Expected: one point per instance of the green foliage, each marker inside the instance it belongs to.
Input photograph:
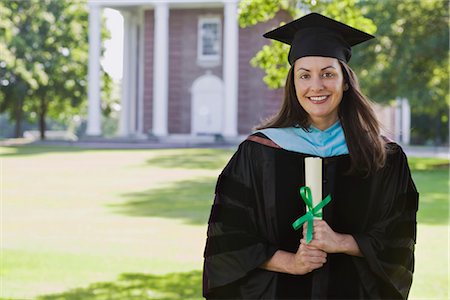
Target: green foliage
(272, 58)
(44, 66)
(346, 11)
(252, 12)
(275, 54)
(408, 59)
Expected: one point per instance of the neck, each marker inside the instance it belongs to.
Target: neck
(323, 124)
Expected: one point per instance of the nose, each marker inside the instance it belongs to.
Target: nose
(316, 84)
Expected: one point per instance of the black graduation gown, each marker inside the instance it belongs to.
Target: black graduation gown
(257, 200)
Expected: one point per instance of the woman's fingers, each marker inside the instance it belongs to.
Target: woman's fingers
(319, 226)
(311, 254)
(324, 238)
(309, 258)
(316, 259)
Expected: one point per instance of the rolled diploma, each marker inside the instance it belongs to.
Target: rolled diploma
(313, 178)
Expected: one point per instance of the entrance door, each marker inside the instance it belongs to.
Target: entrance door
(207, 103)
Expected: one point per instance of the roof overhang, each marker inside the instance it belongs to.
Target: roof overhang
(121, 4)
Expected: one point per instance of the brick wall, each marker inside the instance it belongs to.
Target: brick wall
(183, 66)
(256, 101)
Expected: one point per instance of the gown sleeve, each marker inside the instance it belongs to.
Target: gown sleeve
(388, 243)
(236, 245)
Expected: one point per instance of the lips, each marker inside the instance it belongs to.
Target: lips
(318, 99)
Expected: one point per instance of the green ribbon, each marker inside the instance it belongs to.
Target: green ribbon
(312, 212)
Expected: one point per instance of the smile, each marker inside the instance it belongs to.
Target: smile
(318, 99)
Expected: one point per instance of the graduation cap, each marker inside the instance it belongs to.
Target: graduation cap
(317, 35)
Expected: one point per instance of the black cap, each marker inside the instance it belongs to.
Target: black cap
(317, 35)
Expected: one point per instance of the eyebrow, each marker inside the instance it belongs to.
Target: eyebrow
(320, 69)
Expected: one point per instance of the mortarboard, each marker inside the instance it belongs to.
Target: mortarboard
(317, 35)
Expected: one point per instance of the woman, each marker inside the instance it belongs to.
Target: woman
(364, 246)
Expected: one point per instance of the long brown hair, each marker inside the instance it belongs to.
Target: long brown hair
(361, 128)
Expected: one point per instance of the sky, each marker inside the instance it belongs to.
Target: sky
(112, 60)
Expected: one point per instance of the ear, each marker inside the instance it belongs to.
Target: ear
(345, 86)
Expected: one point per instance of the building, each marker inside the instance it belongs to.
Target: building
(186, 70)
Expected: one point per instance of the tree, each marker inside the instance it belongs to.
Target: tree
(14, 85)
(408, 59)
(44, 68)
(273, 58)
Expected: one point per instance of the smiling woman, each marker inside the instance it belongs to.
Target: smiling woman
(322, 91)
(363, 248)
(319, 85)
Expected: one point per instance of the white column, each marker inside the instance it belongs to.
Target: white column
(230, 69)
(140, 66)
(124, 128)
(132, 78)
(133, 61)
(161, 69)
(406, 122)
(94, 114)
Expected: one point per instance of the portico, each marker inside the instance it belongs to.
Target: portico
(142, 73)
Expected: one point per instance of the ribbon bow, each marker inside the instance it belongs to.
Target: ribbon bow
(312, 212)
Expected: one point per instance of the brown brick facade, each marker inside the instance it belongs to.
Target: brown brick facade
(183, 67)
(255, 101)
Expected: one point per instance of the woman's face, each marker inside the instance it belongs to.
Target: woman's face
(319, 85)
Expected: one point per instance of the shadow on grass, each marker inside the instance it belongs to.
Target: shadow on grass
(139, 286)
(193, 159)
(191, 200)
(433, 187)
(188, 200)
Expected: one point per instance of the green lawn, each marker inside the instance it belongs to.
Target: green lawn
(131, 224)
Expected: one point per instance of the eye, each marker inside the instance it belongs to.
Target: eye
(328, 75)
(304, 76)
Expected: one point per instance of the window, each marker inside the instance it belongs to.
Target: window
(209, 39)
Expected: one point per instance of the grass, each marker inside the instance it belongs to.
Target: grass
(72, 217)
(131, 224)
(140, 286)
(431, 279)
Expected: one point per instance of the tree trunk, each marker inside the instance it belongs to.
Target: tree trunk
(42, 114)
(437, 139)
(18, 113)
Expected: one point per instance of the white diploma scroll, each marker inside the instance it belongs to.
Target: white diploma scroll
(313, 178)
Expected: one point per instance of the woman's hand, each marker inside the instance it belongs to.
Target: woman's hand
(302, 262)
(326, 239)
(313, 255)
(307, 259)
